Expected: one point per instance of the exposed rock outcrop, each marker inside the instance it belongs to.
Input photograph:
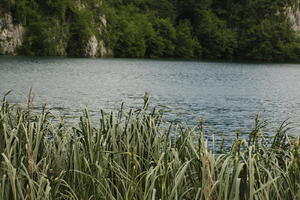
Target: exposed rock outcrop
(295, 18)
(11, 35)
(91, 49)
(95, 48)
(104, 51)
(79, 4)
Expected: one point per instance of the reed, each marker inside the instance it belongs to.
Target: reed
(137, 155)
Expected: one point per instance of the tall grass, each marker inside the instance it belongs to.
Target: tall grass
(133, 156)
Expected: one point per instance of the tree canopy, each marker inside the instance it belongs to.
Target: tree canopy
(209, 29)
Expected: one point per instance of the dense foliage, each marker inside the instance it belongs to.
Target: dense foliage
(213, 29)
(56, 27)
(138, 156)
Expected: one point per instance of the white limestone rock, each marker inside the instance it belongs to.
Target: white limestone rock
(11, 35)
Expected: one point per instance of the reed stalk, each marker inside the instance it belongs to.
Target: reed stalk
(136, 155)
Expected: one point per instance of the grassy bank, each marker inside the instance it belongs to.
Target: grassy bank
(132, 156)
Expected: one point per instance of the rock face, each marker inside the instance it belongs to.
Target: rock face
(95, 48)
(11, 35)
(295, 18)
(104, 51)
(91, 49)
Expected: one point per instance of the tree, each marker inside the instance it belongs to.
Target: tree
(167, 35)
(186, 44)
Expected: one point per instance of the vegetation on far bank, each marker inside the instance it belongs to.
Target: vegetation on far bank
(210, 29)
(137, 155)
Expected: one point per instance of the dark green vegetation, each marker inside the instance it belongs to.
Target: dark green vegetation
(211, 29)
(56, 27)
(137, 155)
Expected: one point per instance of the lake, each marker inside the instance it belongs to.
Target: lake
(226, 95)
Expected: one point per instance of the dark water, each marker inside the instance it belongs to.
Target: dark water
(226, 95)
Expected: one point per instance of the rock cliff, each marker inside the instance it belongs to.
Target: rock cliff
(95, 48)
(294, 16)
(11, 35)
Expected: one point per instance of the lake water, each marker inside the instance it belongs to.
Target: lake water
(226, 95)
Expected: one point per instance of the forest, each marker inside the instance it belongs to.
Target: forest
(258, 30)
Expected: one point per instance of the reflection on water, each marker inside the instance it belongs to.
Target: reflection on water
(226, 95)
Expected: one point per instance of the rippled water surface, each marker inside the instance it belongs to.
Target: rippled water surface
(226, 95)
